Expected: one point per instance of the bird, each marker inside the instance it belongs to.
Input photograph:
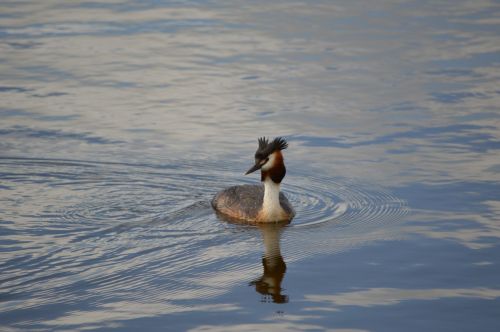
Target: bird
(261, 203)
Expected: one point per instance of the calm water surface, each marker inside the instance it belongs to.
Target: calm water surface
(121, 119)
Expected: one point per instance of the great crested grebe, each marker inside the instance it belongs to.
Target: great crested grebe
(259, 203)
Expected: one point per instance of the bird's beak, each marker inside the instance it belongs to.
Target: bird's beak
(254, 168)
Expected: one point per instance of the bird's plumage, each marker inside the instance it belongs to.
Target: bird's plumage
(259, 203)
(244, 202)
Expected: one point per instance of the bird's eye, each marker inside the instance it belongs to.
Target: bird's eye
(265, 161)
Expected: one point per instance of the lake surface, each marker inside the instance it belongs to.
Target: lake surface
(120, 120)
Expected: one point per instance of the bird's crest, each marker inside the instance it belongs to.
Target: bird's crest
(266, 147)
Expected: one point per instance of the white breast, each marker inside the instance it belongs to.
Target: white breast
(271, 207)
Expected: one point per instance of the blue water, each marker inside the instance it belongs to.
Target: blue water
(120, 120)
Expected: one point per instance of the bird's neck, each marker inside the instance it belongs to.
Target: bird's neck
(271, 207)
(271, 178)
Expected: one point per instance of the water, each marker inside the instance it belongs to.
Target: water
(120, 120)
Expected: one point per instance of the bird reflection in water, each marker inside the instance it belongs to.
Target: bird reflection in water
(269, 284)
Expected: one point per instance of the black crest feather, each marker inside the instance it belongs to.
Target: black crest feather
(266, 147)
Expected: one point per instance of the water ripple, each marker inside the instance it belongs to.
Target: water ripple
(87, 229)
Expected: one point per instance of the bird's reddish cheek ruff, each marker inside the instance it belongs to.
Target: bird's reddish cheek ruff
(277, 172)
